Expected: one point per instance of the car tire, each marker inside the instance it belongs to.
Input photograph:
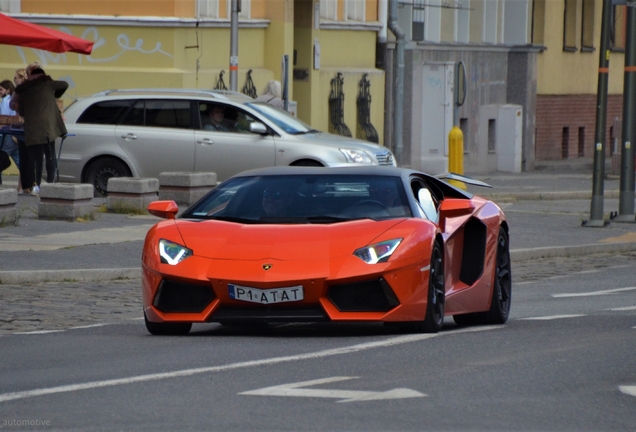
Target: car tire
(502, 290)
(167, 329)
(101, 170)
(436, 294)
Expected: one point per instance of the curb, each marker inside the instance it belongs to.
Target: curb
(536, 196)
(570, 251)
(101, 275)
(83, 275)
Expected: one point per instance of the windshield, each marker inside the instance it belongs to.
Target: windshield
(282, 119)
(304, 198)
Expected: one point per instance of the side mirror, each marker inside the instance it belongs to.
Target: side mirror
(258, 128)
(163, 209)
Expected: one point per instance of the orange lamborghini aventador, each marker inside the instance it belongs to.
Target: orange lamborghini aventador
(291, 244)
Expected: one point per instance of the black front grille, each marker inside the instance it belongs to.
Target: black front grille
(182, 297)
(368, 296)
(269, 314)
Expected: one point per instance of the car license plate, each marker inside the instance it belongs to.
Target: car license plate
(268, 296)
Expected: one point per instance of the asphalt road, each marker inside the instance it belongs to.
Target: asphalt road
(566, 360)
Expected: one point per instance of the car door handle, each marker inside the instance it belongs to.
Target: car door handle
(129, 136)
(205, 141)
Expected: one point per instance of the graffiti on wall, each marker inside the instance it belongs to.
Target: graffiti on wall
(122, 41)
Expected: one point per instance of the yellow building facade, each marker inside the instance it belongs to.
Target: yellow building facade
(186, 44)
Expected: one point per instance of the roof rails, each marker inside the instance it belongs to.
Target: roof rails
(219, 94)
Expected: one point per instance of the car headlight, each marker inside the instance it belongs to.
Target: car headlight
(379, 252)
(357, 156)
(172, 253)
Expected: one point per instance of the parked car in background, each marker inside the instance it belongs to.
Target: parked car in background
(144, 132)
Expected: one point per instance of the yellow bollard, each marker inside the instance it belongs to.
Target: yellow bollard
(456, 155)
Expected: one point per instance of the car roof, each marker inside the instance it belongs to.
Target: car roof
(355, 170)
(163, 92)
(380, 171)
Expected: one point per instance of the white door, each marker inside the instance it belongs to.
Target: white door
(437, 116)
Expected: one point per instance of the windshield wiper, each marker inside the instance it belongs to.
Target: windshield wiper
(235, 219)
(307, 132)
(302, 219)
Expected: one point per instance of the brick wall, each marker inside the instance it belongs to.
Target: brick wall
(578, 114)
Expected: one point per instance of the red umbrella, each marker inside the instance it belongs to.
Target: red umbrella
(21, 33)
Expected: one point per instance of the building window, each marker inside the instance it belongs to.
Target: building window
(492, 136)
(619, 24)
(569, 26)
(538, 22)
(355, 10)
(490, 21)
(417, 31)
(329, 10)
(208, 8)
(565, 143)
(222, 9)
(462, 22)
(582, 142)
(587, 25)
(463, 125)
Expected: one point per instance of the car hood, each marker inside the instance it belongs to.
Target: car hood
(234, 241)
(337, 141)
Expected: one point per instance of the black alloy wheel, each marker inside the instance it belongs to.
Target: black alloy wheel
(436, 304)
(502, 291)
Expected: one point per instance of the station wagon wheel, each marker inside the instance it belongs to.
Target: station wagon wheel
(101, 170)
(307, 163)
(167, 329)
(502, 291)
(435, 307)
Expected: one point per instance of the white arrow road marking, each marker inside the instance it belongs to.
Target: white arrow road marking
(232, 366)
(628, 390)
(595, 293)
(295, 390)
(553, 317)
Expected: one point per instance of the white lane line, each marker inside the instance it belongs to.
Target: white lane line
(628, 390)
(232, 366)
(594, 293)
(39, 332)
(625, 308)
(553, 317)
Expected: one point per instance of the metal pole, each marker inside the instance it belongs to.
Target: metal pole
(596, 207)
(234, 46)
(398, 76)
(285, 68)
(626, 197)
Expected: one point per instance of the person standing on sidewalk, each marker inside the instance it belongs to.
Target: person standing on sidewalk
(43, 122)
(8, 145)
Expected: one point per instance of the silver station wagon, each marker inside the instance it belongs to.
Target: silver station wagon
(142, 133)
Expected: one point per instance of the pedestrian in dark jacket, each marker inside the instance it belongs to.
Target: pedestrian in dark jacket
(43, 122)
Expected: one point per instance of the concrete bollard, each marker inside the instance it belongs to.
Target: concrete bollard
(65, 201)
(8, 211)
(184, 187)
(131, 194)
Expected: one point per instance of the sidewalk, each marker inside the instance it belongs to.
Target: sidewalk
(544, 209)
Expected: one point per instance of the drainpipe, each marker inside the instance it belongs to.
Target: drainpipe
(398, 81)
